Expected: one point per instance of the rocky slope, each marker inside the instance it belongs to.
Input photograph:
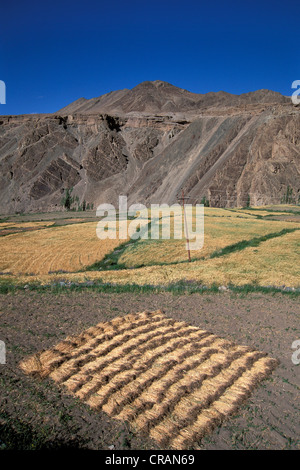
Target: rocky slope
(162, 97)
(148, 143)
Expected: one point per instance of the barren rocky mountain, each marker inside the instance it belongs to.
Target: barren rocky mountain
(148, 143)
(162, 97)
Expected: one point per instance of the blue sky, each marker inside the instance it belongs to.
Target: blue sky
(52, 53)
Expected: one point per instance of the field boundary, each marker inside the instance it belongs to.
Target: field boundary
(180, 287)
(255, 241)
(110, 261)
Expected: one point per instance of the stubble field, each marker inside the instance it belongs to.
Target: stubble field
(241, 246)
(187, 359)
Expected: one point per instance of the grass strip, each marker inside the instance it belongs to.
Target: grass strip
(179, 287)
(253, 242)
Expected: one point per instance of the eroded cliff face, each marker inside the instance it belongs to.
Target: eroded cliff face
(228, 155)
(99, 156)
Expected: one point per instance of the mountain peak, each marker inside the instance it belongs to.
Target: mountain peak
(158, 96)
(153, 84)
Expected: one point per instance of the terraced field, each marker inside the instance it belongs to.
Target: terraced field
(241, 246)
(45, 250)
(219, 232)
(170, 380)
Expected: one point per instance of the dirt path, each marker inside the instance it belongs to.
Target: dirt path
(35, 413)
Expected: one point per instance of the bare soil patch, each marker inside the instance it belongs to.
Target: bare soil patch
(36, 413)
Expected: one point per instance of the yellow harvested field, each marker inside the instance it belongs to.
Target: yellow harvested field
(218, 233)
(25, 225)
(274, 262)
(216, 212)
(168, 379)
(279, 207)
(47, 253)
(66, 248)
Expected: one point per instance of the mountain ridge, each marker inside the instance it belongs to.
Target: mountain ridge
(162, 97)
(230, 150)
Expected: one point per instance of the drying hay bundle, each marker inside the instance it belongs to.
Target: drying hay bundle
(170, 380)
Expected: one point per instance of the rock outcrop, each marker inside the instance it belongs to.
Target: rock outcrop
(150, 142)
